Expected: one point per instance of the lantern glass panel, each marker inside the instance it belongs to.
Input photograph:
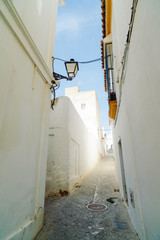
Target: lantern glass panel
(70, 75)
(70, 67)
(76, 69)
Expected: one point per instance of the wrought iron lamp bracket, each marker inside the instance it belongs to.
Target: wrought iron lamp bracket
(58, 76)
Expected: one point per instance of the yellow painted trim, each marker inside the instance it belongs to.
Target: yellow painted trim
(108, 4)
(112, 109)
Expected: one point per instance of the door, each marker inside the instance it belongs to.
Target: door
(124, 186)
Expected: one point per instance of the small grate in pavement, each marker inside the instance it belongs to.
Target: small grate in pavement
(111, 200)
(121, 225)
(96, 207)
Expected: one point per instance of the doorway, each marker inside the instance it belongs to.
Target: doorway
(124, 186)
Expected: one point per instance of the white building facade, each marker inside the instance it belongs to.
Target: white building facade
(133, 78)
(86, 104)
(73, 149)
(76, 141)
(26, 46)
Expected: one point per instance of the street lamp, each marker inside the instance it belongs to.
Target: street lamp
(71, 68)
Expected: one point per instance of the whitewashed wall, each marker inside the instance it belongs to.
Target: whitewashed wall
(73, 150)
(40, 17)
(86, 104)
(89, 112)
(24, 113)
(138, 120)
(109, 141)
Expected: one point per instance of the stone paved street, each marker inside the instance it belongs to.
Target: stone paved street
(66, 218)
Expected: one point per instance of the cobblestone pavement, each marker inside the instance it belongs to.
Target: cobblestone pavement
(66, 218)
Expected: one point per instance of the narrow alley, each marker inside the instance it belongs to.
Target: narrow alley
(79, 79)
(67, 218)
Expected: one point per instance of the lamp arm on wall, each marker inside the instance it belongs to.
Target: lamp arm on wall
(58, 76)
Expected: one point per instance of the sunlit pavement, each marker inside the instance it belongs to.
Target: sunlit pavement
(67, 218)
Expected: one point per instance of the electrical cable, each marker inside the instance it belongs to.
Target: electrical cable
(84, 62)
(91, 61)
(54, 96)
(57, 87)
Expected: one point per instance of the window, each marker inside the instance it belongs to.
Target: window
(83, 106)
(109, 66)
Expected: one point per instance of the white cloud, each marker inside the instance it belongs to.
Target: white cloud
(73, 23)
(69, 24)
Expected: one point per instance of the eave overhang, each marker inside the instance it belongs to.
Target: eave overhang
(106, 7)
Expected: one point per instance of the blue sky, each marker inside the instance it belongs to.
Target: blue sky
(78, 36)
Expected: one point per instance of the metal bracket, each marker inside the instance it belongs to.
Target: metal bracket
(59, 77)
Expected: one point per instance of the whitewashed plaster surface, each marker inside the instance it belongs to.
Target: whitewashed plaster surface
(24, 115)
(139, 116)
(109, 141)
(73, 150)
(40, 18)
(87, 106)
